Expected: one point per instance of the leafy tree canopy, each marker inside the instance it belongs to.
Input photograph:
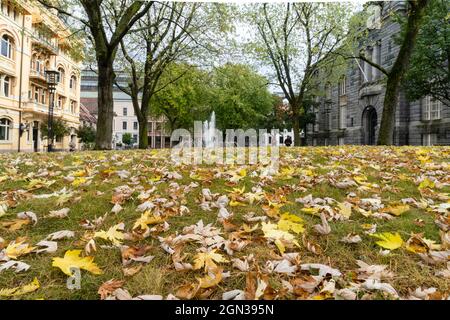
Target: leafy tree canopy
(429, 72)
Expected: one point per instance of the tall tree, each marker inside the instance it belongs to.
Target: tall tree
(239, 97)
(429, 71)
(96, 17)
(395, 74)
(169, 32)
(296, 40)
(183, 101)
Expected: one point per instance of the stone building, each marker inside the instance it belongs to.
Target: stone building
(33, 40)
(125, 120)
(350, 112)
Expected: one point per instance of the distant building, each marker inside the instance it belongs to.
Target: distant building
(87, 119)
(350, 112)
(33, 40)
(125, 120)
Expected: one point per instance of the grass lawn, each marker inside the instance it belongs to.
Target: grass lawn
(373, 221)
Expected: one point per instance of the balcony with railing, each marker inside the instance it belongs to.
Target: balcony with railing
(37, 74)
(44, 41)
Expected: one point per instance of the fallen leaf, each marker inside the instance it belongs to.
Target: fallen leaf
(17, 291)
(109, 287)
(114, 234)
(72, 259)
(388, 240)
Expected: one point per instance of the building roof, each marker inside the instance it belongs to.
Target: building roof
(86, 115)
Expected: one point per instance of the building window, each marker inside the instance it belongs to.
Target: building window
(73, 107)
(341, 141)
(73, 82)
(43, 92)
(124, 125)
(6, 86)
(61, 75)
(343, 117)
(374, 20)
(7, 46)
(135, 125)
(431, 108)
(36, 95)
(60, 102)
(316, 120)
(135, 138)
(343, 86)
(125, 112)
(429, 139)
(5, 129)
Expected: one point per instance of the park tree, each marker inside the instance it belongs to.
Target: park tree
(86, 134)
(105, 22)
(394, 75)
(429, 70)
(183, 101)
(296, 40)
(60, 129)
(127, 139)
(239, 97)
(169, 32)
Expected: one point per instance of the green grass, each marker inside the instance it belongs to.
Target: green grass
(159, 276)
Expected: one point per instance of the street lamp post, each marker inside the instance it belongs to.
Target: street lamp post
(51, 76)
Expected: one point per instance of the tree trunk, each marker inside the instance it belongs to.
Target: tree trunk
(143, 132)
(103, 139)
(391, 97)
(296, 128)
(398, 70)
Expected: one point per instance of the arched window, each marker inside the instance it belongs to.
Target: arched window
(6, 86)
(5, 129)
(62, 75)
(73, 82)
(60, 102)
(7, 46)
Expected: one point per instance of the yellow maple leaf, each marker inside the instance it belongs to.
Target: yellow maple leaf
(79, 173)
(278, 236)
(206, 259)
(72, 259)
(397, 210)
(211, 279)
(388, 240)
(345, 209)
(286, 173)
(16, 224)
(114, 234)
(15, 250)
(291, 222)
(314, 211)
(234, 203)
(145, 219)
(79, 181)
(17, 291)
(360, 179)
(426, 183)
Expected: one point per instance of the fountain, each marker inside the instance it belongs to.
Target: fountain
(209, 131)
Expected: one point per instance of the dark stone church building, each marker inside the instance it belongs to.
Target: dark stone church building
(350, 112)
